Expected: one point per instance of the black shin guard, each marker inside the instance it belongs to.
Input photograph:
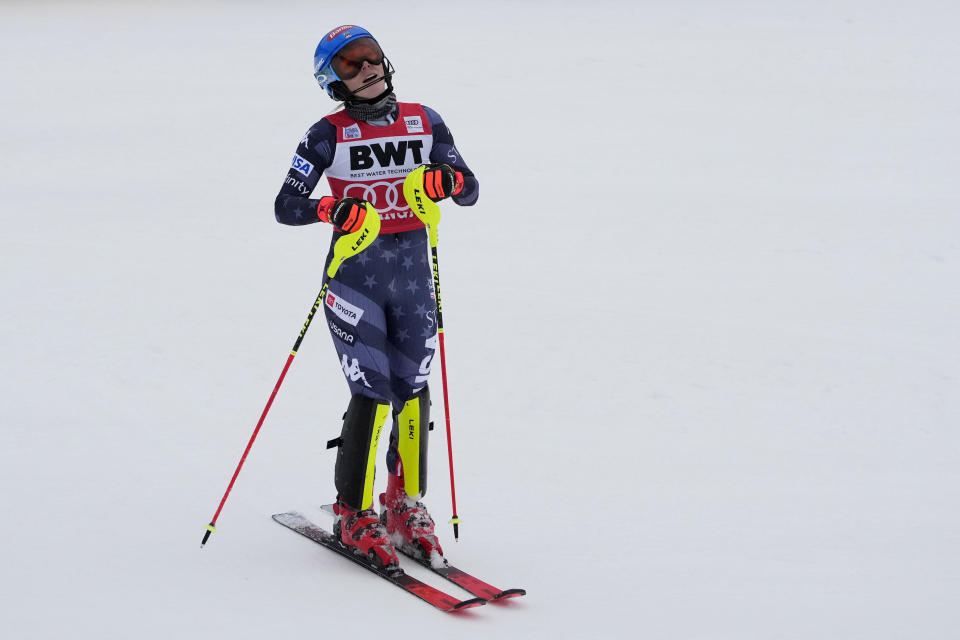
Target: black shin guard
(357, 454)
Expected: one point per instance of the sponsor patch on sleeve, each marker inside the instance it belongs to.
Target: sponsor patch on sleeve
(301, 166)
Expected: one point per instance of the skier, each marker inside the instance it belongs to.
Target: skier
(381, 306)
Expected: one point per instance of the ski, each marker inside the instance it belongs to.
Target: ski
(464, 580)
(442, 601)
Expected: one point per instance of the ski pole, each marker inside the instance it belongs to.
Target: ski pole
(347, 246)
(429, 213)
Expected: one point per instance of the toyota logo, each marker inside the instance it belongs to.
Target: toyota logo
(385, 196)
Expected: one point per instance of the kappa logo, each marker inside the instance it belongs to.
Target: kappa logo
(344, 310)
(301, 166)
(353, 372)
(364, 156)
(352, 132)
(414, 124)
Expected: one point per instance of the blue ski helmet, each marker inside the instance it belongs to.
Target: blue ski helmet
(326, 51)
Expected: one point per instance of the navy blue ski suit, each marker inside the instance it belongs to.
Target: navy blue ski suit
(382, 311)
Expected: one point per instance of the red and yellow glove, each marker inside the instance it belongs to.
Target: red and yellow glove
(346, 214)
(441, 181)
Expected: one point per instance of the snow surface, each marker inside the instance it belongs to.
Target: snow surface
(702, 326)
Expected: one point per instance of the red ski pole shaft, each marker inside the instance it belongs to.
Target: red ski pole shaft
(211, 528)
(446, 405)
(446, 397)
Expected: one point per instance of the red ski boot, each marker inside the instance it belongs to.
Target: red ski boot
(363, 532)
(409, 524)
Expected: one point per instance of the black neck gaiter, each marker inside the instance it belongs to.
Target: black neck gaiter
(366, 112)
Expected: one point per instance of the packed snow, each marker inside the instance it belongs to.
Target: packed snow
(702, 325)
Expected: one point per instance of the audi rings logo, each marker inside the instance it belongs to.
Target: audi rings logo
(384, 195)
